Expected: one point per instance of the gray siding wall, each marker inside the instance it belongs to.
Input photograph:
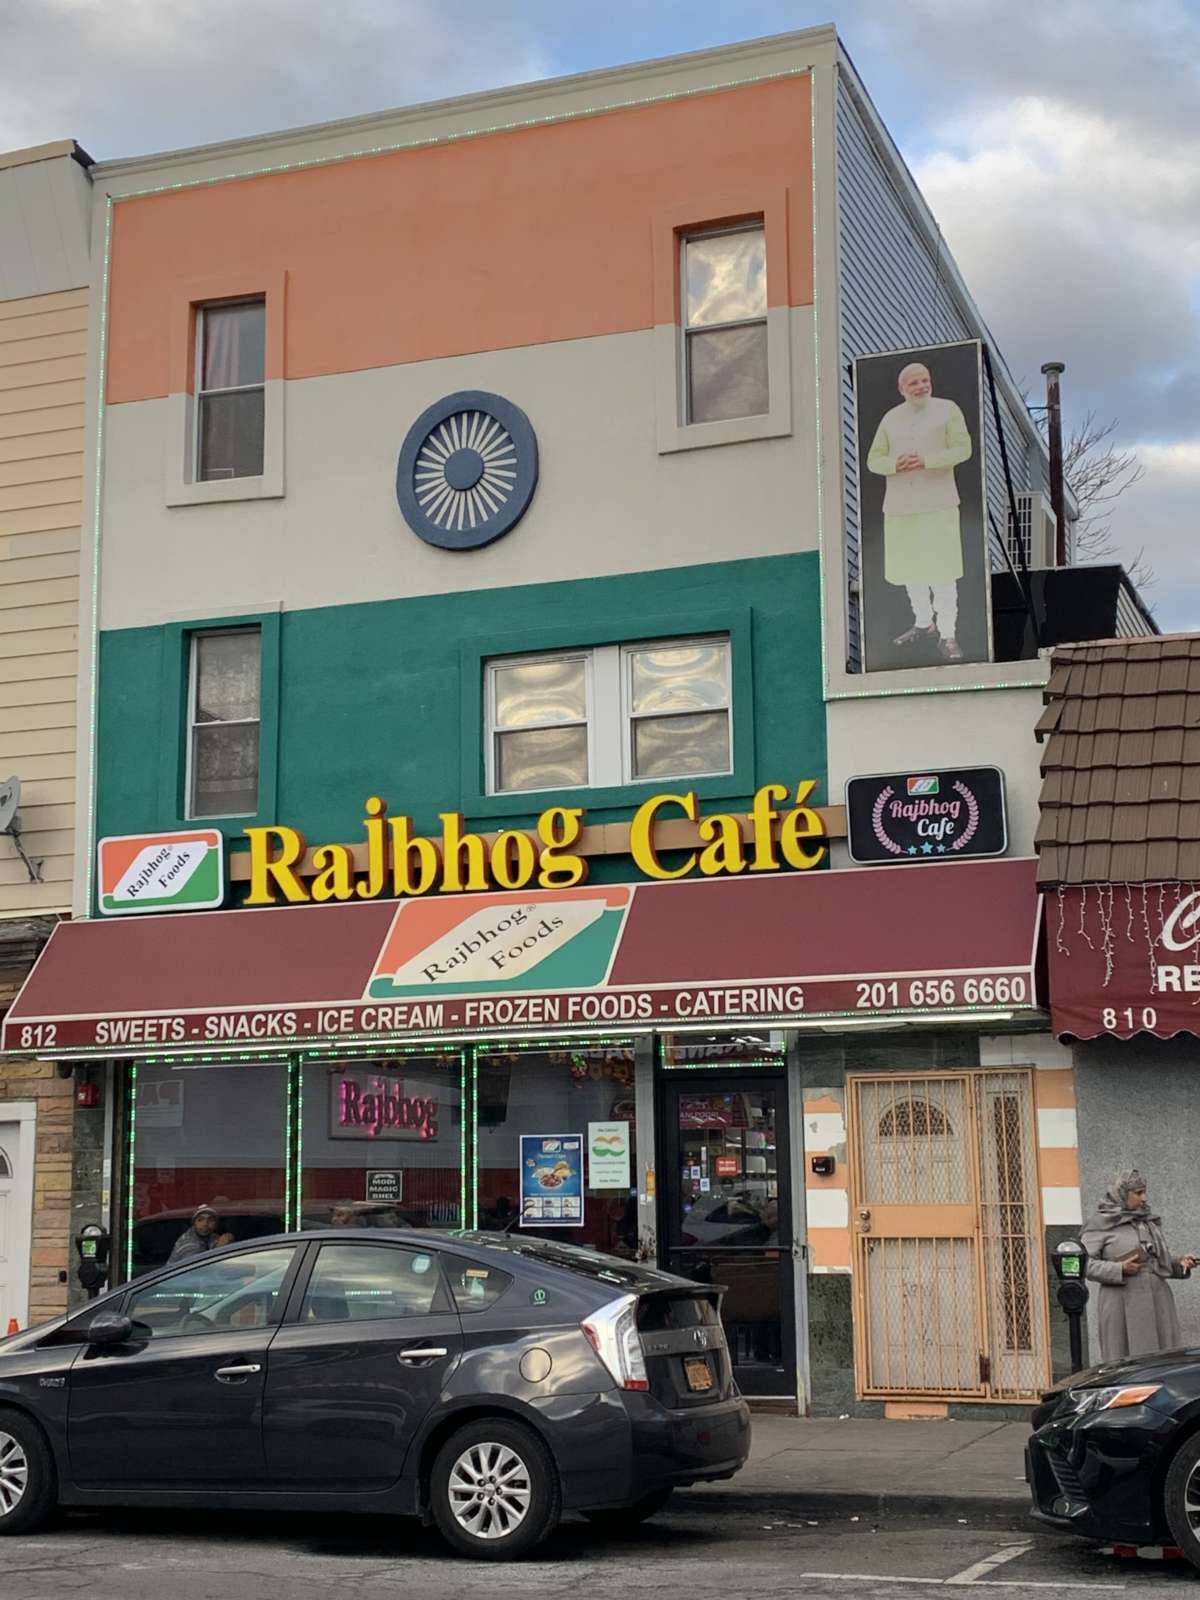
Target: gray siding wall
(894, 293)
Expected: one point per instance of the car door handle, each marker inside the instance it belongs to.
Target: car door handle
(232, 1374)
(423, 1352)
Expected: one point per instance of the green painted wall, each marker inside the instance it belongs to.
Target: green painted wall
(385, 698)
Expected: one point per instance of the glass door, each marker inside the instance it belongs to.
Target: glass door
(726, 1214)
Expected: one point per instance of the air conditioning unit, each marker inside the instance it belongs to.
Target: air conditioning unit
(1033, 536)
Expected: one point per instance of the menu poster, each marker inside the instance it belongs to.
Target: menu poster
(552, 1180)
(608, 1155)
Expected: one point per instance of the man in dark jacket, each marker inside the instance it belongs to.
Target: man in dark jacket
(200, 1237)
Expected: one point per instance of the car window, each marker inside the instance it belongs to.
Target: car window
(474, 1285)
(234, 1292)
(364, 1282)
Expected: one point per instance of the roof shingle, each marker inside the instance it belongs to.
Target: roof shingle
(1121, 762)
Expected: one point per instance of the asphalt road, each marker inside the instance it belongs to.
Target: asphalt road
(700, 1547)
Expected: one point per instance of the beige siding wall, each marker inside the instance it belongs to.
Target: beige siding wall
(43, 342)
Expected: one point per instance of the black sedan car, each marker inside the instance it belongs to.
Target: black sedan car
(484, 1382)
(1115, 1453)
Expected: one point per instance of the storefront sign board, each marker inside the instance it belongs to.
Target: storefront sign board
(142, 872)
(1124, 959)
(552, 1180)
(924, 816)
(608, 1155)
(763, 950)
(385, 1187)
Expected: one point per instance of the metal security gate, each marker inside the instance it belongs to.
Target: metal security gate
(950, 1301)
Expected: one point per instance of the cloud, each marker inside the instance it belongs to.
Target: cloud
(1162, 515)
(1062, 160)
(129, 76)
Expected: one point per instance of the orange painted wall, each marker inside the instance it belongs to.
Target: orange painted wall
(510, 239)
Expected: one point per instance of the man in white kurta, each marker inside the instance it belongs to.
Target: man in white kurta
(916, 448)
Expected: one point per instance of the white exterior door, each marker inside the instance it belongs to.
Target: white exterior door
(16, 1208)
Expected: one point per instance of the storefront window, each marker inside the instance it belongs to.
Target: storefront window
(556, 1144)
(381, 1142)
(211, 1136)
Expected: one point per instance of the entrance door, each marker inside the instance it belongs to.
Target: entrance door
(726, 1214)
(949, 1302)
(16, 1194)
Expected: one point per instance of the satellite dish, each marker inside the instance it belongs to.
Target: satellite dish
(10, 799)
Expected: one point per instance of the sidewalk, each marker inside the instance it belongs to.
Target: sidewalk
(823, 1465)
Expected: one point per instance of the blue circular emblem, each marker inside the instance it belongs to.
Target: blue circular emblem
(467, 470)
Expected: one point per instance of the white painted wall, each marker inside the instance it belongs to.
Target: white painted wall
(17, 1123)
(606, 502)
(980, 728)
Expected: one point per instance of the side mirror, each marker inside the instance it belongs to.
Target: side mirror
(109, 1329)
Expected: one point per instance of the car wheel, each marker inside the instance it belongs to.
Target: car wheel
(28, 1487)
(495, 1491)
(614, 1518)
(1181, 1499)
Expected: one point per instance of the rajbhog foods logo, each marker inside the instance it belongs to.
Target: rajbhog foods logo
(480, 944)
(161, 872)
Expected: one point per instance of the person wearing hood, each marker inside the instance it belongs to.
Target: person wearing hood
(1128, 1257)
(200, 1237)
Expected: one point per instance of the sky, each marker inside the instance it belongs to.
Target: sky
(1057, 141)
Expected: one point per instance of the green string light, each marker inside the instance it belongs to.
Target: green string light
(129, 1194)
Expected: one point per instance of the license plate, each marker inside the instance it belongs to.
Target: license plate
(699, 1375)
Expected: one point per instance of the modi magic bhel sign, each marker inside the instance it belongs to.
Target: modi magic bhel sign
(161, 872)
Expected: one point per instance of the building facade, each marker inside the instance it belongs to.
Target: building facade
(45, 230)
(1119, 862)
(478, 666)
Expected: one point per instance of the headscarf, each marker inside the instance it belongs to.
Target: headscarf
(1114, 1212)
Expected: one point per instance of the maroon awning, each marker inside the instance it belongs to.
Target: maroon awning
(937, 939)
(1123, 959)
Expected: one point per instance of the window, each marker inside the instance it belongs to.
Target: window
(5, 1166)
(725, 324)
(366, 1282)
(230, 391)
(224, 696)
(474, 1286)
(613, 715)
(235, 1292)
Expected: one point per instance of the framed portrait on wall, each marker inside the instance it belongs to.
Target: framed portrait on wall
(922, 507)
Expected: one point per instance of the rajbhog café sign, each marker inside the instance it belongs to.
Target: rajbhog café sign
(407, 865)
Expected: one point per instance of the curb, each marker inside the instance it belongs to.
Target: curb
(857, 1502)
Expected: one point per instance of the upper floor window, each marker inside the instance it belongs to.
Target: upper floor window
(608, 716)
(224, 709)
(725, 324)
(230, 397)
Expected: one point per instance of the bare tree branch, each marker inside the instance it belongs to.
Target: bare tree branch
(1098, 473)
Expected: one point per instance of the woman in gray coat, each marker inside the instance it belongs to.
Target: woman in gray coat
(1129, 1259)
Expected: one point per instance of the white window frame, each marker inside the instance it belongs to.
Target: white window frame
(687, 331)
(628, 718)
(237, 388)
(493, 731)
(190, 812)
(609, 711)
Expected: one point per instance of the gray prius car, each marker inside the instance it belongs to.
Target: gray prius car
(484, 1382)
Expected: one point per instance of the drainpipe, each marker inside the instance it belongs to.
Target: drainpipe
(1053, 371)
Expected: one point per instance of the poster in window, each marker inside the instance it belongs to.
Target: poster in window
(608, 1155)
(552, 1180)
(922, 507)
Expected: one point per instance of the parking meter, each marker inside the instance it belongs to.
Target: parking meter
(92, 1246)
(1070, 1265)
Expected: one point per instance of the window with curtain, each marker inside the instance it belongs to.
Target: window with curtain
(224, 709)
(230, 403)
